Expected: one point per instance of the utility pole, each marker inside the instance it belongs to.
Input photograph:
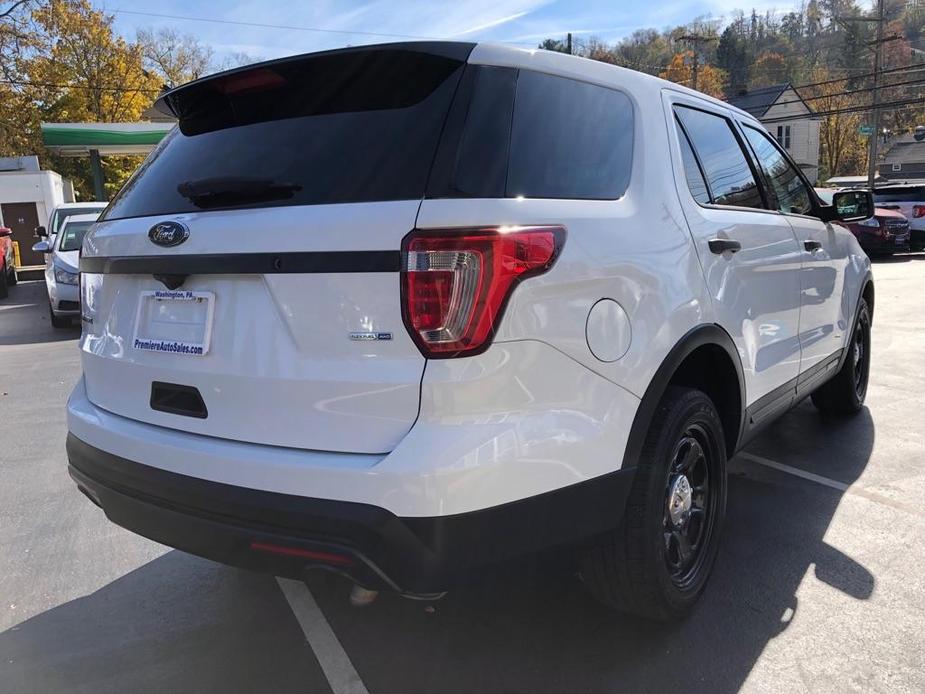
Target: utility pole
(695, 40)
(874, 137)
(694, 66)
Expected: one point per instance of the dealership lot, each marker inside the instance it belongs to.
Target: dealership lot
(817, 588)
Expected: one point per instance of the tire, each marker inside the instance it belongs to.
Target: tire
(4, 292)
(58, 321)
(638, 567)
(844, 394)
(12, 279)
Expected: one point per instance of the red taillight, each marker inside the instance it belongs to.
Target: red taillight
(314, 555)
(455, 282)
(918, 211)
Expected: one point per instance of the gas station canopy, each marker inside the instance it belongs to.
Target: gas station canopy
(79, 139)
(97, 140)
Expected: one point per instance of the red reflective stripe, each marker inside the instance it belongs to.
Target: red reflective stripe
(325, 557)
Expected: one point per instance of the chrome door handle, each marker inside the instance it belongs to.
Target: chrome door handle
(812, 246)
(720, 246)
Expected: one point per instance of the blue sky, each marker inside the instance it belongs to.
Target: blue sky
(523, 22)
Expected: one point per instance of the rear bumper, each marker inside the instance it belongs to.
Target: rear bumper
(873, 244)
(236, 525)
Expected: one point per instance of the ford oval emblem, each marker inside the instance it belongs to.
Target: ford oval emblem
(168, 233)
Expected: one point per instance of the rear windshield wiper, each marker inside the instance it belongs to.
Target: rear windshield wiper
(235, 190)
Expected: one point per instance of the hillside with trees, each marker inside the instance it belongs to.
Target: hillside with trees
(821, 48)
(62, 60)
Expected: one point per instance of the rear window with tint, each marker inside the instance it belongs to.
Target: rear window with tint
(348, 126)
(912, 194)
(522, 133)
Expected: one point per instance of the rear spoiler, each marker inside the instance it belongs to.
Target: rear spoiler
(258, 76)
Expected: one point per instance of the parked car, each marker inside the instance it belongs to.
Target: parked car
(61, 269)
(7, 262)
(884, 233)
(61, 213)
(502, 300)
(908, 199)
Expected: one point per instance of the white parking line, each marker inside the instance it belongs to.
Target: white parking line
(796, 472)
(833, 484)
(336, 665)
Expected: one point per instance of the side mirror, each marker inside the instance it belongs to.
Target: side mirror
(40, 231)
(5, 231)
(851, 205)
(42, 247)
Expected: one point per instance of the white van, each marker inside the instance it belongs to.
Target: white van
(405, 311)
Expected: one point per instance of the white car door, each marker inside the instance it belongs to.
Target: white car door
(749, 254)
(825, 251)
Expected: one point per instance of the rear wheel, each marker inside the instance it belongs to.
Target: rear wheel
(4, 292)
(58, 321)
(12, 279)
(845, 392)
(657, 562)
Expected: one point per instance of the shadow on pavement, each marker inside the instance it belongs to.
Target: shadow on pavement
(180, 623)
(532, 630)
(30, 298)
(176, 624)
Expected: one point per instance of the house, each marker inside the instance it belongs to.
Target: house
(788, 118)
(904, 156)
(28, 195)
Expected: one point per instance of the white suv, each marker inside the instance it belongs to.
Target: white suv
(405, 311)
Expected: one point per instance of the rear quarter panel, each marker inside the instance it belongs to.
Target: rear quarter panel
(635, 250)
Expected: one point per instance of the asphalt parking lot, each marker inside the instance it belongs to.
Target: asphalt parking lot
(818, 587)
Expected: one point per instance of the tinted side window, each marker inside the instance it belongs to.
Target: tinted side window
(695, 182)
(569, 139)
(789, 190)
(727, 170)
(481, 170)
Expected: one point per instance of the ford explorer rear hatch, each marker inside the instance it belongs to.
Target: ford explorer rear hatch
(244, 283)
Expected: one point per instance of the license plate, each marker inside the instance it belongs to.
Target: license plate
(174, 322)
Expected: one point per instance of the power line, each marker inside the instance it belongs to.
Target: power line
(847, 109)
(264, 25)
(859, 77)
(916, 82)
(53, 85)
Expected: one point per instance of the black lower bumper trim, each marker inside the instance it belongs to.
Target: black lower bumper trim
(226, 523)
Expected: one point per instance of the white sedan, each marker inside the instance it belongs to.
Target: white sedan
(61, 274)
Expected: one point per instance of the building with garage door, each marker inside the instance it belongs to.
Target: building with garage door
(27, 197)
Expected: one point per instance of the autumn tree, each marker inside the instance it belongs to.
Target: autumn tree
(18, 118)
(62, 61)
(841, 148)
(769, 68)
(710, 80)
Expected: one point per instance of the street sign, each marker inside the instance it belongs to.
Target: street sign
(865, 129)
